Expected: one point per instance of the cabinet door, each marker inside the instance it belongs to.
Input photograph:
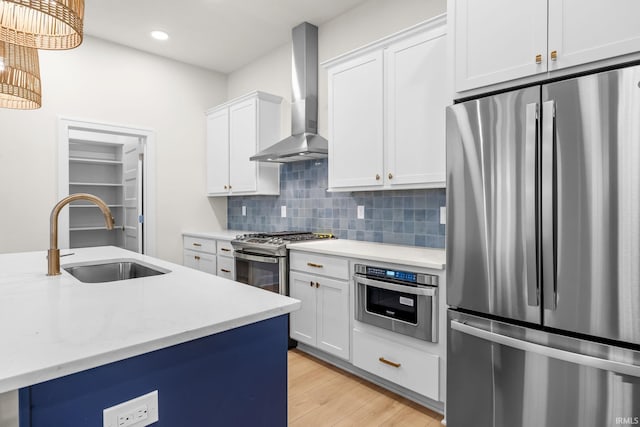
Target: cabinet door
(242, 145)
(200, 261)
(355, 122)
(498, 40)
(415, 70)
(218, 152)
(332, 316)
(582, 31)
(226, 267)
(303, 321)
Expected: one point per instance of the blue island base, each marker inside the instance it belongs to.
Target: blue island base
(234, 378)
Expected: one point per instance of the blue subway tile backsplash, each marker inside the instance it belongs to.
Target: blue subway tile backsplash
(406, 217)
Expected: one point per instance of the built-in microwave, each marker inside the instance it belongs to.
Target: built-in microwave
(404, 302)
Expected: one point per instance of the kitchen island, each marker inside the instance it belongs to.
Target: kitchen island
(214, 349)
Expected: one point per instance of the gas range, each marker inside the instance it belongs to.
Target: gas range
(273, 244)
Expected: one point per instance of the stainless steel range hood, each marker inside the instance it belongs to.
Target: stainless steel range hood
(304, 142)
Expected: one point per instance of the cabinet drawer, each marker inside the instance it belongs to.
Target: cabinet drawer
(225, 248)
(226, 267)
(200, 244)
(416, 370)
(319, 264)
(200, 261)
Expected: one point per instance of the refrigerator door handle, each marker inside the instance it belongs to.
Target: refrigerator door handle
(531, 148)
(554, 353)
(550, 291)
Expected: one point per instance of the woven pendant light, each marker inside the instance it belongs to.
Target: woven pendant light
(42, 24)
(19, 77)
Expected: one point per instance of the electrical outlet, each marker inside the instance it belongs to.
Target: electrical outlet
(244, 211)
(283, 211)
(443, 215)
(360, 212)
(139, 412)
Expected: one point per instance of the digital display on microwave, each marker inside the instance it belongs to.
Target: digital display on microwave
(403, 276)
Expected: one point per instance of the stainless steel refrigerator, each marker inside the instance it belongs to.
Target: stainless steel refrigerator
(543, 255)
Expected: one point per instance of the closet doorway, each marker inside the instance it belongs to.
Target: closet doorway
(116, 164)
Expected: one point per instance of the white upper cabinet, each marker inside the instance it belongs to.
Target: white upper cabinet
(236, 131)
(386, 112)
(498, 41)
(583, 31)
(416, 96)
(355, 122)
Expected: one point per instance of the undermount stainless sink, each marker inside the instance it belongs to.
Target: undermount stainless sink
(112, 270)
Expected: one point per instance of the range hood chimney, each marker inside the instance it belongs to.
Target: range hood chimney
(304, 142)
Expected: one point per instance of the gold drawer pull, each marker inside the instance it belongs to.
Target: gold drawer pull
(317, 285)
(311, 264)
(197, 257)
(390, 175)
(554, 55)
(225, 187)
(377, 177)
(224, 270)
(225, 250)
(538, 59)
(197, 244)
(388, 362)
(311, 283)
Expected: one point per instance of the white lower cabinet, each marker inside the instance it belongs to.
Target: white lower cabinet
(200, 261)
(214, 256)
(226, 262)
(396, 362)
(323, 318)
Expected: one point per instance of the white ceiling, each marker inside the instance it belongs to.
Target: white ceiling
(221, 35)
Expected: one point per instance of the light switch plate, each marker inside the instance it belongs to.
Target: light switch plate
(360, 212)
(443, 215)
(283, 211)
(138, 412)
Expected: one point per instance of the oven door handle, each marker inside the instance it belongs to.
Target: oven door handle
(430, 291)
(256, 258)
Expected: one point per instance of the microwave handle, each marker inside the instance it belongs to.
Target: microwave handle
(430, 291)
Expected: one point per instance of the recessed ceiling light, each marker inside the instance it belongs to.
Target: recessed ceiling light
(159, 35)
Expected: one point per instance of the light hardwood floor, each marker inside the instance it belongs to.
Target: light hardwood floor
(322, 395)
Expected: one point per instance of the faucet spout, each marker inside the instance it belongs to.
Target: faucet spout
(53, 254)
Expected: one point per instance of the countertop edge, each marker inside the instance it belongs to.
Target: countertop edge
(75, 366)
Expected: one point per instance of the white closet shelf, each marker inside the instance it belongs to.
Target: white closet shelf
(94, 161)
(115, 227)
(94, 206)
(95, 184)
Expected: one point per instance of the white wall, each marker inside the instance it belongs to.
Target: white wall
(110, 83)
(361, 25)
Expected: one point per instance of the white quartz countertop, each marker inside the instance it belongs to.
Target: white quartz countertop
(221, 234)
(55, 326)
(381, 252)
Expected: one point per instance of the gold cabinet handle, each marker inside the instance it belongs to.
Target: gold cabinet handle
(229, 186)
(554, 55)
(311, 264)
(388, 362)
(197, 257)
(538, 59)
(390, 175)
(317, 285)
(377, 177)
(311, 283)
(197, 244)
(225, 187)
(224, 270)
